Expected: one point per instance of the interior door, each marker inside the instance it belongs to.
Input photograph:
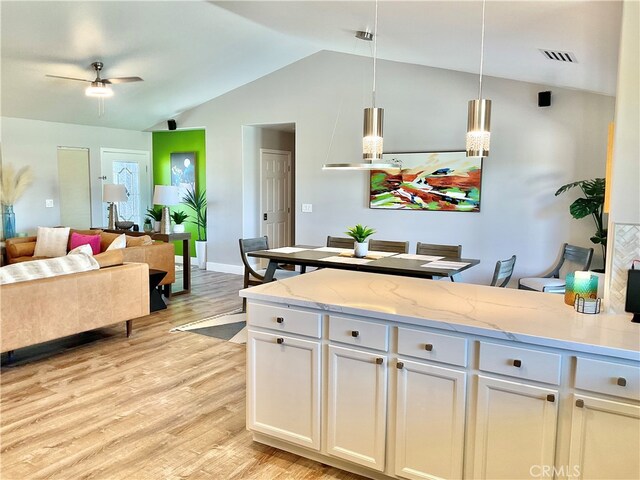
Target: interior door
(74, 185)
(130, 168)
(275, 194)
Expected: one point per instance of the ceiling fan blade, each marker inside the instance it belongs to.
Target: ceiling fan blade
(69, 78)
(122, 80)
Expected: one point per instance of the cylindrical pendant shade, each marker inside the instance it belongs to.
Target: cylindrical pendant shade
(372, 134)
(479, 128)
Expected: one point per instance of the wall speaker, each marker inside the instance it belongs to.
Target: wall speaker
(172, 124)
(544, 99)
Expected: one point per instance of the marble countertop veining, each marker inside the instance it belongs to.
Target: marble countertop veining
(509, 314)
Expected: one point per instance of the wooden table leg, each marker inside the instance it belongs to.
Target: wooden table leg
(129, 327)
(186, 265)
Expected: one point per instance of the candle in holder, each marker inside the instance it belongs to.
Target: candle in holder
(580, 283)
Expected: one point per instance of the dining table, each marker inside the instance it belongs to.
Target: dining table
(390, 263)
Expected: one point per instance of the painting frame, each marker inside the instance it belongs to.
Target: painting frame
(455, 186)
(182, 169)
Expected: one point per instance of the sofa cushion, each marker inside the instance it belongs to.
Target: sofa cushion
(51, 242)
(110, 258)
(105, 240)
(16, 250)
(139, 241)
(82, 232)
(77, 239)
(84, 249)
(118, 243)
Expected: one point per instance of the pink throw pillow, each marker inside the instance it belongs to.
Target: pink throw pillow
(93, 241)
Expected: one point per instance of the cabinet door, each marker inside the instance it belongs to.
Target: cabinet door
(605, 439)
(283, 388)
(429, 421)
(516, 428)
(357, 406)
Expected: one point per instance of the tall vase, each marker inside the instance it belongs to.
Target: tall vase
(9, 222)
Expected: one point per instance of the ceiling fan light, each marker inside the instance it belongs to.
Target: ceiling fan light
(478, 128)
(98, 89)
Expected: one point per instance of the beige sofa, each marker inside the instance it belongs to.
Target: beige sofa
(41, 310)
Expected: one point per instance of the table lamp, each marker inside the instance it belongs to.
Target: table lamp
(113, 193)
(166, 195)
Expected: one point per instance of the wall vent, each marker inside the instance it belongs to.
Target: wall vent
(559, 56)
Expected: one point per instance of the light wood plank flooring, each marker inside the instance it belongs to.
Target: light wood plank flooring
(158, 405)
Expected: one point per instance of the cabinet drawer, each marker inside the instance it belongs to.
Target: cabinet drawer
(359, 333)
(284, 319)
(608, 378)
(520, 363)
(433, 346)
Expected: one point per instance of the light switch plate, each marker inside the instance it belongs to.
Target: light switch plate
(307, 208)
(48, 203)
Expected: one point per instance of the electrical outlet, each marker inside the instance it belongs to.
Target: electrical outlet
(307, 208)
(48, 203)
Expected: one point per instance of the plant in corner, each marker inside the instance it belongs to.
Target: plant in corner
(591, 204)
(198, 202)
(179, 217)
(360, 234)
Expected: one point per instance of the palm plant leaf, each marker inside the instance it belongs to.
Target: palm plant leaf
(198, 203)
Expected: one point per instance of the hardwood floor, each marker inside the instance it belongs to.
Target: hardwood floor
(157, 405)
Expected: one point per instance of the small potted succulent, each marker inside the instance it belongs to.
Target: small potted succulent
(360, 235)
(179, 217)
(148, 226)
(155, 214)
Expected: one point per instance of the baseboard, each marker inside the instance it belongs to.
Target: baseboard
(225, 268)
(194, 260)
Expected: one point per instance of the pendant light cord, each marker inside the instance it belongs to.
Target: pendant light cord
(375, 54)
(484, 4)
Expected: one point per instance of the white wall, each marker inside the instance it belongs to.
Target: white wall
(35, 143)
(534, 151)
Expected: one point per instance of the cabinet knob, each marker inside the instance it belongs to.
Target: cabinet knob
(379, 360)
(280, 319)
(280, 341)
(622, 381)
(517, 363)
(400, 365)
(355, 333)
(580, 403)
(551, 397)
(428, 347)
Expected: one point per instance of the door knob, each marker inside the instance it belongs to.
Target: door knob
(517, 363)
(428, 347)
(400, 365)
(280, 319)
(379, 360)
(355, 333)
(280, 341)
(580, 403)
(622, 382)
(264, 216)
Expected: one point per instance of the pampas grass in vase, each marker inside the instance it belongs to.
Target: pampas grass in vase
(12, 186)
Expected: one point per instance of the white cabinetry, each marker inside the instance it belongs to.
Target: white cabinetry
(430, 415)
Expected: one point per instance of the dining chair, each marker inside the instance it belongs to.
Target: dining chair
(388, 246)
(339, 242)
(503, 272)
(573, 259)
(437, 250)
(256, 277)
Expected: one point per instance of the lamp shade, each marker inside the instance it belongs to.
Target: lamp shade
(114, 193)
(166, 195)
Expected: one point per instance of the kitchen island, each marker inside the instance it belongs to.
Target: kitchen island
(395, 377)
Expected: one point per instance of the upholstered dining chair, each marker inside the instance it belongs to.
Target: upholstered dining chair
(503, 272)
(388, 246)
(252, 276)
(437, 250)
(339, 242)
(573, 258)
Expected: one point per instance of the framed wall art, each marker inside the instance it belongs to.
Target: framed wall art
(183, 171)
(443, 181)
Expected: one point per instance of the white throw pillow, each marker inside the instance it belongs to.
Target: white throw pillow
(119, 242)
(84, 249)
(51, 242)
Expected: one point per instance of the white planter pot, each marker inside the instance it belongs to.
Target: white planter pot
(360, 250)
(156, 226)
(178, 228)
(201, 254)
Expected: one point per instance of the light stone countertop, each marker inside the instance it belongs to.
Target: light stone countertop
(508, 314)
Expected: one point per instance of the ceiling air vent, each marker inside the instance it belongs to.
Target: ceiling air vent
(559, 56)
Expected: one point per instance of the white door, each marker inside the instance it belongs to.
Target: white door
(430, 415)
(283, 388)
(605, 439)
(357, 410)
(515, 429)
(130, 168)
(74, 184)
(275, 194)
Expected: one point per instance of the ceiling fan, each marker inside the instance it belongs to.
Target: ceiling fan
(100, 86)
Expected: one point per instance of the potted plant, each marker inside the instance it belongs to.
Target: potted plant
(148, 227)
(360, 235)
(179, 217)
(12, 185)
(591, 204)
(155, 214)
(198, 202)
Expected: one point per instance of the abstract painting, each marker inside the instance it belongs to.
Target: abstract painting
(445, 181)
(183, 171)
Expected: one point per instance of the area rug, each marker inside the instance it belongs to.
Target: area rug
(230, 326)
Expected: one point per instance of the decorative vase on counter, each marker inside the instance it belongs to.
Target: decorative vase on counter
(8, 222)
(360, 249)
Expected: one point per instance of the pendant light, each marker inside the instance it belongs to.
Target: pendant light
(372, 139)
(479, 114)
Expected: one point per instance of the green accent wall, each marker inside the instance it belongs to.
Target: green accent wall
(166, 143)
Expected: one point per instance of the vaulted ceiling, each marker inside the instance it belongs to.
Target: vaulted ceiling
(189, 52)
